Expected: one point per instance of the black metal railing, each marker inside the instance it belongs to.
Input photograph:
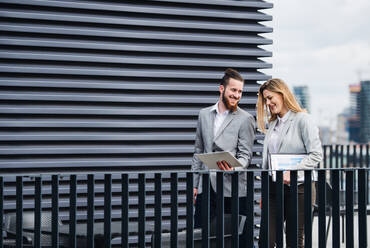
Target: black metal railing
(98, 209)
(112, 233)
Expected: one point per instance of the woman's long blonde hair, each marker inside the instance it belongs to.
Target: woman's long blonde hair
(278, 86)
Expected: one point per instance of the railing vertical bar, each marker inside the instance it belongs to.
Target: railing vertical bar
(1, 210)
(341, 166)
(325, 156)
(322, 211)
(279, 209)
(349, 209)
(189, 210)
(205, 210)
(336, 156)
(264, 239)
(361, 156)
(55, 211)
(235, 210)
(124, 208)
(348, 157)
(294, 204)
(368, 172)
(19, 221)
(90, 211)
(335, 208)
(174, 209)
(141, 230)
(220, 210)
(308, 209)
(37, 235)
(354, 155)
(362, 218)
(250, 209)
(330, 156)
(72, 211)
(107, 209)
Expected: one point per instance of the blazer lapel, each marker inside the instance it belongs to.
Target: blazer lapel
(212, 116)
(285, 129)
(224, 124)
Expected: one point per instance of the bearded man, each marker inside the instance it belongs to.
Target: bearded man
(224, 127)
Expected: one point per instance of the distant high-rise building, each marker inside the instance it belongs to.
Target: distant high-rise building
(364, 111)
(354, 118)
(342, 127)
(303, 97)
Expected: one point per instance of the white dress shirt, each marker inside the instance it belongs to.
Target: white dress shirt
(219, 119)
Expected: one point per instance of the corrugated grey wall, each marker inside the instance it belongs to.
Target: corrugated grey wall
(119, 83)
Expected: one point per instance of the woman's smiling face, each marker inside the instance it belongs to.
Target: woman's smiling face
(275, 102)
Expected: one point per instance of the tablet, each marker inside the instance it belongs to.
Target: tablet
(211, 159)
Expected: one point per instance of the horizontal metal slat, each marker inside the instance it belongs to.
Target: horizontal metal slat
(122, 32)
(95, 136)
(96, 123)
(131, 59)
(122, 84)
(82, 189)
(132, 47)
(147, 9)
(65, 164)
(101, 110)
(116, 98)
(106, 149)
(250, 4)
(99, 71)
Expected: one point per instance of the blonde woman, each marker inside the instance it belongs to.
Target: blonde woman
(290, 130)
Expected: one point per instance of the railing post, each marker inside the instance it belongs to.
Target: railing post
(279, 209)
(325, 156)
(189, 210)
(90, 211)
(264, 238)
(349, 209)
(235, 209)
(19, 222)
(72, 211)
(158, 211)
(322, 209)
(1, 210)
(362, 217)
(220, 210)
(335, 208)
(205, 210)
(174, 208)
(107, 209)
(250, 209)
(348, 157)
(294, 204)
(308, 209)
(141, 233)
(38, 197)
(55, 211)
(124, 208)
(331, 156)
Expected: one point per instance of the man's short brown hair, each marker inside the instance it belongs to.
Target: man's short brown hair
(231, 73)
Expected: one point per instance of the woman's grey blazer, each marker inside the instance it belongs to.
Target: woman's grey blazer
(299, 135)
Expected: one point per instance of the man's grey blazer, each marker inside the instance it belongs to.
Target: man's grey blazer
(236, 135)
(299, 135)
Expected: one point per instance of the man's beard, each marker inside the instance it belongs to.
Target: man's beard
(227, 103)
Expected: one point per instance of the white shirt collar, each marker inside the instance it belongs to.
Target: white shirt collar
(284, 118)
(215, 108)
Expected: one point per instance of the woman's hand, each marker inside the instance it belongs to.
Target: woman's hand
(286, 177)
(195, 193)
(223, 165)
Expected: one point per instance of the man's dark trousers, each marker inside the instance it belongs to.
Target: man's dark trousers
(213, 211)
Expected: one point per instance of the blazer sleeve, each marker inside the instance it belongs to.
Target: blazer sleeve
(246, 138)
(312, 143)
(198, 148)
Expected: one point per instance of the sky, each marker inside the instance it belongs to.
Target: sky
(324, 45)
